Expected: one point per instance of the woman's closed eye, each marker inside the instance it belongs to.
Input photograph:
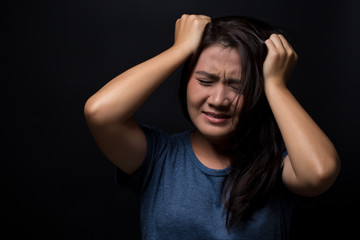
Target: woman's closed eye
(205, 82)
(236, 87)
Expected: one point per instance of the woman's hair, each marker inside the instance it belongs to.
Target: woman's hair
(256, 146)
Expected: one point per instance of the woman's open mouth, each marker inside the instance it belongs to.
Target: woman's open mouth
(216, 117)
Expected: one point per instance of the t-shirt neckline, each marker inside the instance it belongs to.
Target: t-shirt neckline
(200, 165)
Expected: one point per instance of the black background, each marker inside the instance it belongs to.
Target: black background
(56, 184)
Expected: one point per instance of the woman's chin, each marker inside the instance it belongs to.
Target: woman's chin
(217, 135)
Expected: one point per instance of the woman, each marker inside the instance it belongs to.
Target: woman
(254, 151)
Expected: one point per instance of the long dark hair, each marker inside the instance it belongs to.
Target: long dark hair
(257, 144)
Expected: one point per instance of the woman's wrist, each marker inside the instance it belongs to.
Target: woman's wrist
(181, 51)
(274, 84)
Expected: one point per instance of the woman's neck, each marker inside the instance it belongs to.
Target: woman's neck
(212, 153)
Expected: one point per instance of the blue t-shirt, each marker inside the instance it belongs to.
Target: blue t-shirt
(180, 198)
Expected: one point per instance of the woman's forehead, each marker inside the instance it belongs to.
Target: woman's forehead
(218, 59)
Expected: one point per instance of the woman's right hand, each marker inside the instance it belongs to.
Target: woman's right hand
(189, 30)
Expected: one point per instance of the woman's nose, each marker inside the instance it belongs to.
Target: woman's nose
(219, 97)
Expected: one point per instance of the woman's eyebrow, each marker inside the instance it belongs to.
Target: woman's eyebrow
(216, 77)
(208, 75)
(233, 81)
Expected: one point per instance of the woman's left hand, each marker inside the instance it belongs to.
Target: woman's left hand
(280, 60)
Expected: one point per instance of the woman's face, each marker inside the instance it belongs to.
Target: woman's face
(213, 92)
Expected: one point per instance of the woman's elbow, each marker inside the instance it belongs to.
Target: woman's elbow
(326, 175)
(92, 111)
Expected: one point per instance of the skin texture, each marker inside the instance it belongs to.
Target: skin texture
(312, 164)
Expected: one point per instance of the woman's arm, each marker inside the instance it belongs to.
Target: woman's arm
(108, 112)
(312, 164)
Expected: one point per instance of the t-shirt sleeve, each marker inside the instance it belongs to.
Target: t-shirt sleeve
(285, 153)
(156, 144)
